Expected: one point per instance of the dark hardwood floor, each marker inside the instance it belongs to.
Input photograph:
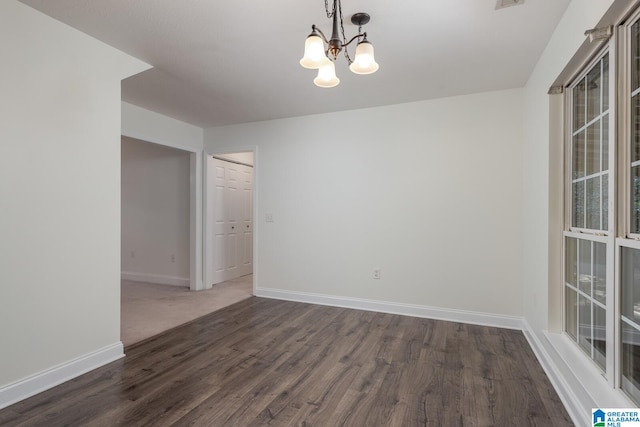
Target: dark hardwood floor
(269, 362)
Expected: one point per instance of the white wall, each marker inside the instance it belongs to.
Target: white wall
(150, 126)
(442, 224)
(59, 199)
(155, 213)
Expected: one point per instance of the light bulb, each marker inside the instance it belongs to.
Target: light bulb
(365, 62)
(314, 56)
(327, 75)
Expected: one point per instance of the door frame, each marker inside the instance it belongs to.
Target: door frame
(196, 281)
(206, 257)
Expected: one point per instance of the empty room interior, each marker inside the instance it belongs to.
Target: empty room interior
(445, 233)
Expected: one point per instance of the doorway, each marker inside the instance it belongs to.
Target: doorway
(155, 213)
(151, 302)
(229, 217)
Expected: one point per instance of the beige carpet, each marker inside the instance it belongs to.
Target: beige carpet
(148, 309)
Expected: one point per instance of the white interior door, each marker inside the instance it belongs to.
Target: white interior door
(246, 217)
(230, 220)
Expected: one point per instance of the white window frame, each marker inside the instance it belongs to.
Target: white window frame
(632, 244)
(624, 79)
(625, 238)
(602, 236)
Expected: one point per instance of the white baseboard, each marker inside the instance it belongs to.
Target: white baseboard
(578, 382)
(566, 393)
(475, 318)
(52, 377)
(155, 278)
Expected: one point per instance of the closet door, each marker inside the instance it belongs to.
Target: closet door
(230, 225)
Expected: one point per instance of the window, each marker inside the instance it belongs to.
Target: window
(602, 236)
(629, 248)
(585, 297)
(630, 316)
(586, 238)
(635, 128)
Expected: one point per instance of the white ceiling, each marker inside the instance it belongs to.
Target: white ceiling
(224, 62)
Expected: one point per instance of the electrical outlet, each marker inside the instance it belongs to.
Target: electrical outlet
(173, 257)
(376, 273)
(269, 217)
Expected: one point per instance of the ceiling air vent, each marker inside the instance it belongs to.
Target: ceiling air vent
(501, 4)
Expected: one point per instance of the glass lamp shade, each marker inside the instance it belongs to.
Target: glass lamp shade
(365, 62)
(314, 56)
(327, 75)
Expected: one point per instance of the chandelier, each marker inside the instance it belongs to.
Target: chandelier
(316, 56)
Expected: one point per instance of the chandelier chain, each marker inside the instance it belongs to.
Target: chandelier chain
(344, 38)
(326, 8)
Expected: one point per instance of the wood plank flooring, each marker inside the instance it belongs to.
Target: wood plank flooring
(279, 363)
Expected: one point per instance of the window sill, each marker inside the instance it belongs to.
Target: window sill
(584, 378)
